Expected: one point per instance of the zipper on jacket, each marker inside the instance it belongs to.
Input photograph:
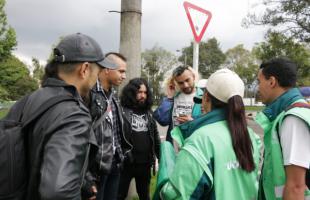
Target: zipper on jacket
(101, 156)
(11, 165)
(152, 136)
(122, 125)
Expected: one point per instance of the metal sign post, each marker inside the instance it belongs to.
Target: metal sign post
(195, 55)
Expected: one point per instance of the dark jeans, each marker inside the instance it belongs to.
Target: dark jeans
(142, 175)
(108, 185)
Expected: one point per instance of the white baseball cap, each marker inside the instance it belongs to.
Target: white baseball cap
(224, 84)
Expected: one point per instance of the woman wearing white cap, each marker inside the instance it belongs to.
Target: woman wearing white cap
(220, 154)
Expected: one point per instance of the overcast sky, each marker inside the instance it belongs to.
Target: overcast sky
(39, 23)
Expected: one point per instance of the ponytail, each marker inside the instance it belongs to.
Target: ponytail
(239, 133)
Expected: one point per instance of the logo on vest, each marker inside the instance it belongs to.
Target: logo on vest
(232, 165)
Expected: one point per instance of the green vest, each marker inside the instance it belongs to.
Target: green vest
(273, 173)
(209, 151)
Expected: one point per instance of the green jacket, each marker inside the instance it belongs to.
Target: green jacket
(206, 167)
(273, 173)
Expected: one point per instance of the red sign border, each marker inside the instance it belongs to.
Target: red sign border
(188, 5)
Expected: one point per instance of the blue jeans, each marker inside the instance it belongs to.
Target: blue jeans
(108, 186)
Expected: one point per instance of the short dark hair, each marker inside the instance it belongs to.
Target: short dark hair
(53, 68)
(129, 93)
(121, 56)
(179, 70)
(283, 69)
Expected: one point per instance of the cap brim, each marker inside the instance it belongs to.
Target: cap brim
(197, 99)
(107, 63)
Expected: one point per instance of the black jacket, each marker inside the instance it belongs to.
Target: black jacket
(57, 143)
(152, 127)
(104, 135)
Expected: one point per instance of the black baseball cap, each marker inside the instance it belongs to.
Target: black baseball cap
(81, 48)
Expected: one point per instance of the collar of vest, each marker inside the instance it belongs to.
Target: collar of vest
(214, 116)
(281, 103)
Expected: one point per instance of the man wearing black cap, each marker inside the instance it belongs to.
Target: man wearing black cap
(104, 172)
(58, 141)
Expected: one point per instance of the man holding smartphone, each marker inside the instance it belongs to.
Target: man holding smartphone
(178, 106)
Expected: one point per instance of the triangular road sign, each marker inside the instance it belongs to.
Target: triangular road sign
(198, 18)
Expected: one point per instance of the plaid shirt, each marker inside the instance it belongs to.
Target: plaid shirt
(116, 125)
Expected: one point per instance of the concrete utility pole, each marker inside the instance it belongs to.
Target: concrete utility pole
(130, 41)
(130, 46)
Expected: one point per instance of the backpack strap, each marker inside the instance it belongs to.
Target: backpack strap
(298, 105)
(47, 105)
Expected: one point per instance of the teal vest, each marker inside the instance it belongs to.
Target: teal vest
(207, 140)
(273, 173)
(228, 180)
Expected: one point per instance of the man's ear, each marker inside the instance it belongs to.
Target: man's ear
(84, 69)
(106, 70)
(273, 82)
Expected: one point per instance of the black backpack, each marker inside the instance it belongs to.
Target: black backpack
(13, 149)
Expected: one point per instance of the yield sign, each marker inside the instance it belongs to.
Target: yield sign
(198, 19)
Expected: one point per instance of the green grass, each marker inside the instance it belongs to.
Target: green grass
(254, 108)
(3, 112)
(153, 185)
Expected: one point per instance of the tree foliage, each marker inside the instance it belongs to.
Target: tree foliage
(211, 56)
(243, 62)
(38, 71)
(15, 78)
(291, 17)
(278, 45)
(155, 63)
(7, 35)
(4, 95)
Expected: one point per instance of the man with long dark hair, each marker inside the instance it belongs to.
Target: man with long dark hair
(141, 130)
(220, 155)
(286, 123)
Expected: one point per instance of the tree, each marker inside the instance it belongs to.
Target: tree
(15, 78)
(291, 17)
(243, 62)
(278, 45)
(38, 71)
(211, 56)
(7, 35)
(4, 95)
(155, 63)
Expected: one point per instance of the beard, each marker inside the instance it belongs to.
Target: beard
(141, 104)
(85, 94)
(188, 90)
